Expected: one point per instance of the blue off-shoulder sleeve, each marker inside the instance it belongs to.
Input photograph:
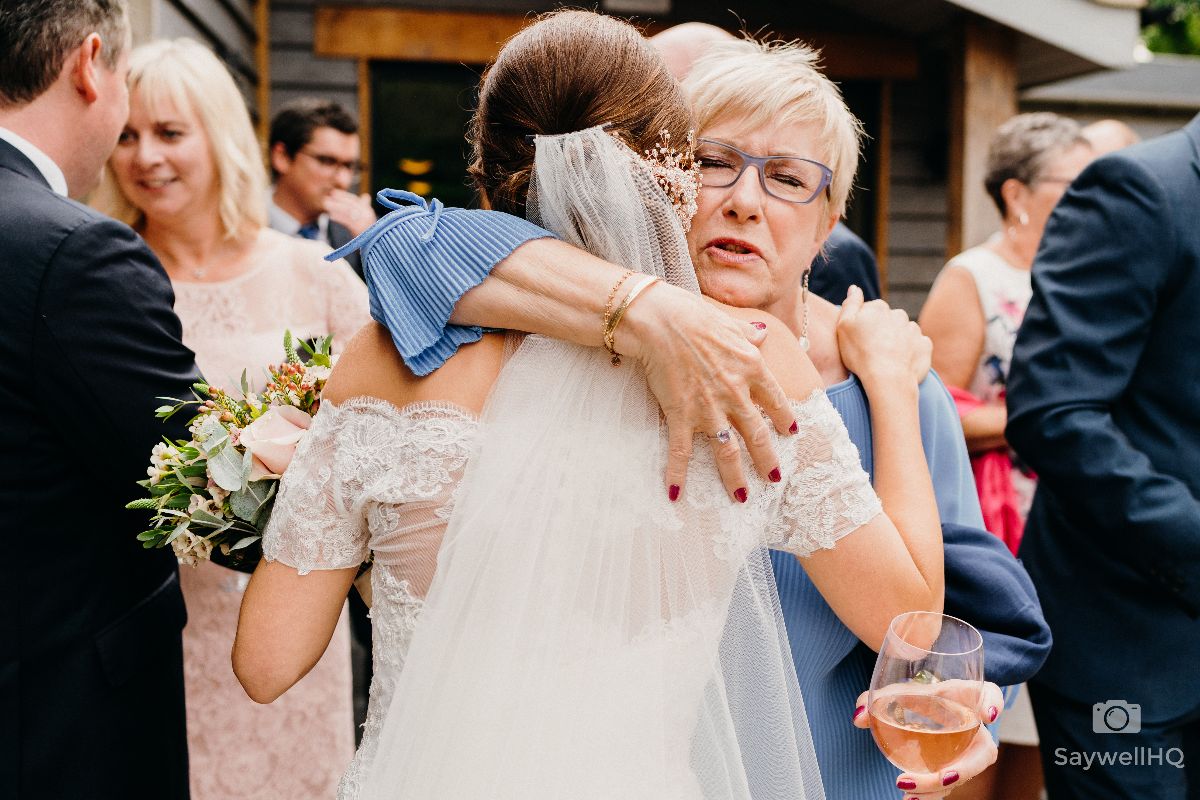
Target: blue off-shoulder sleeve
(946, 454)
(420, 259)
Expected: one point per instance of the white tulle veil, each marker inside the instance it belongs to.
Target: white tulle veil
(585, 638)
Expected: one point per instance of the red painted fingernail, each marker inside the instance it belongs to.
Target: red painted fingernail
(673, 492)
(795, 428)
(993, 712)
(906, 784)
(949, 778)
(858, 711)
(741, 495)
(762, 326)
(774, 475)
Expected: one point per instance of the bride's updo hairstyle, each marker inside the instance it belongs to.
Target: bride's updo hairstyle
(569, 71)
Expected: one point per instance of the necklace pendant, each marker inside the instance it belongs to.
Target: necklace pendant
(804, 343)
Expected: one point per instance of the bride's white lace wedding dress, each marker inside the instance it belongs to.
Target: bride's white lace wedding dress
(370, 478)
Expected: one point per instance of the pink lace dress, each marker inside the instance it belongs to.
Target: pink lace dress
(298, 746)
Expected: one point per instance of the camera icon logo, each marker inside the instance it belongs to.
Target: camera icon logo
(1116, 716)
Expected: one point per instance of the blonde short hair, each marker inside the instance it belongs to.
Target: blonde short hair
(185, 73)
(777, 83)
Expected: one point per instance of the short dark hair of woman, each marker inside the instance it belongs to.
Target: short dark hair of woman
(568, 71)
(1021, 147)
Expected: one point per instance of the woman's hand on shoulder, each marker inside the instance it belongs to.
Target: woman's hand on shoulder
(880, 344)
(706, 371)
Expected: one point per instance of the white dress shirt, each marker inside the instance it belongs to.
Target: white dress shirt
(45, 165)
(282, 221)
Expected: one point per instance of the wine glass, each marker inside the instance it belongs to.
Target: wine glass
(925, 690)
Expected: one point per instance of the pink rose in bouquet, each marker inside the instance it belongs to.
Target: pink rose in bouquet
(272, 438)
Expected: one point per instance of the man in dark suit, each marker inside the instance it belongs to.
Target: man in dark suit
(91, 657)
(1104, 403)
(314, 152)
(846, 261)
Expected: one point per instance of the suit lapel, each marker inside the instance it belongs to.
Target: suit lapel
(13, 159)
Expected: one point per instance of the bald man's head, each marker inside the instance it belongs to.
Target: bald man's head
(1108, 135)
(681, 45)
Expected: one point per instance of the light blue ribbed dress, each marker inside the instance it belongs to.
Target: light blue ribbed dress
(832, 665)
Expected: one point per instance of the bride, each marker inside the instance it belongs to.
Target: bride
(583, 636)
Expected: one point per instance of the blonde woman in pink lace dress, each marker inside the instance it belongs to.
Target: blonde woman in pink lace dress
(189, 178)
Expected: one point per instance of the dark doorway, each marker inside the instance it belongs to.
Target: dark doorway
(419, 116)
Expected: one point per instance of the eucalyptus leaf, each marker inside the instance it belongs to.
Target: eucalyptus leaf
(249, 501)
(225, 468)
(211, 435)
(207, 520)
(247, 466)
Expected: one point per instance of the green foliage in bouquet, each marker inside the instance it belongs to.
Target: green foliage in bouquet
(216, 490)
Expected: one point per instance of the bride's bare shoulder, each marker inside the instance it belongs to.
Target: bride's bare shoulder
(786, 359)
(370, 366)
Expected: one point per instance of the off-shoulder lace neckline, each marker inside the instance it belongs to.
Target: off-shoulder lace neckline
(454, 409)
(366, 402)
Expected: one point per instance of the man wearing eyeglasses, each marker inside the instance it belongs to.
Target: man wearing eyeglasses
(314, 154)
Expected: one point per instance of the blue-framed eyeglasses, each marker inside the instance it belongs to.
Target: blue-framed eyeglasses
(787, 178)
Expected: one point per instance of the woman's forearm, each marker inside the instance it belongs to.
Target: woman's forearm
(902, 479)
(702, 365)
(285, 624)
(984, 428)
(545, 286)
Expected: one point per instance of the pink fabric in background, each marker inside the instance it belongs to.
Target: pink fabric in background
(993, 480)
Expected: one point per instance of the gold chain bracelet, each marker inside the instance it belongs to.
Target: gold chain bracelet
(610, 328)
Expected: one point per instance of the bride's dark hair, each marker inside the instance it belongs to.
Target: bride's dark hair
(569, 71)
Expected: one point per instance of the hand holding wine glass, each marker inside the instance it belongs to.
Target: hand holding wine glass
(926, 701)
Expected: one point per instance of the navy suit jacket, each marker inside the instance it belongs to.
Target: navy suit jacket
(847, 261)
(91, 659)
(338, 236)
(1104, 403)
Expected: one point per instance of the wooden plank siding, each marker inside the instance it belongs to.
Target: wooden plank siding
(226, 26)
(983, 95)
(917, 208)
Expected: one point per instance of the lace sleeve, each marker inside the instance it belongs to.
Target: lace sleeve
(318, 520)
(827, 494)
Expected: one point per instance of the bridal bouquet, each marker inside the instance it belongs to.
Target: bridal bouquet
(216, 490)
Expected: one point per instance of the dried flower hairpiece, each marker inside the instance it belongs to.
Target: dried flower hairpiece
(676, 173)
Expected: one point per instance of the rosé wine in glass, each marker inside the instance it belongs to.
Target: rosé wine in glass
(925, 691)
